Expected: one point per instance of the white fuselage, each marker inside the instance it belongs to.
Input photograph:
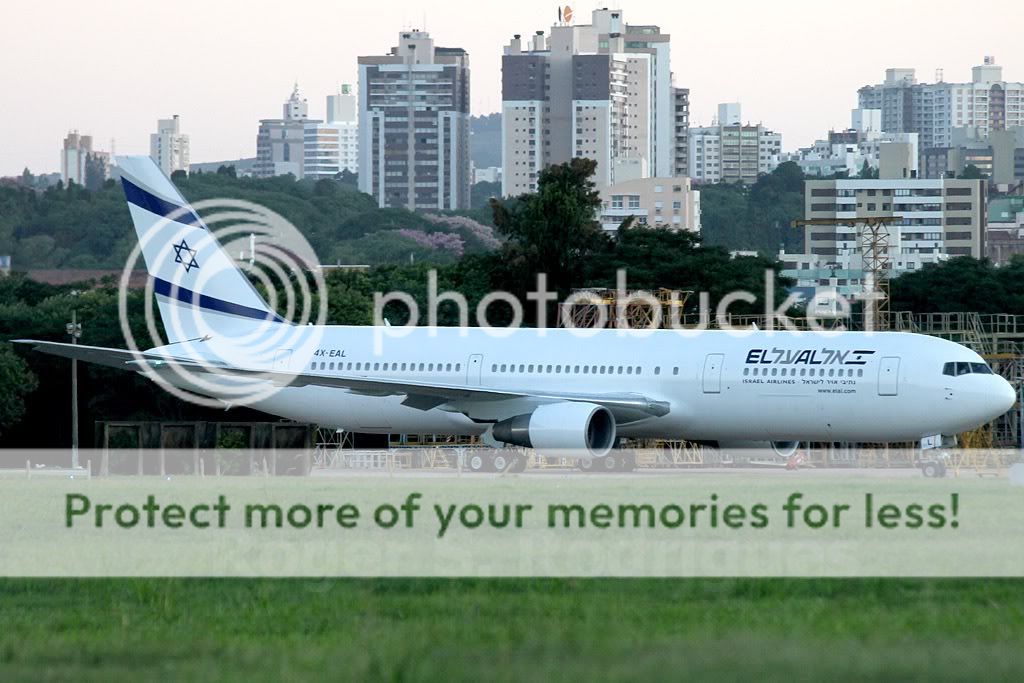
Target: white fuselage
(756, 385)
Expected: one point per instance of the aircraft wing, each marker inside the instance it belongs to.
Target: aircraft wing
(626, 407)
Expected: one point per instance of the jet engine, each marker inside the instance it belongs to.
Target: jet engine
(585, 429)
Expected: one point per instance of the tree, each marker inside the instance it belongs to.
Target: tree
(972, 172)
(758, 216)
(480, 194)
(962, 284)
(555, 229)
(866, 172)
(16, 382)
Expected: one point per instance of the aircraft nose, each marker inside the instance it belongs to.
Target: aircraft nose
(1004, 397)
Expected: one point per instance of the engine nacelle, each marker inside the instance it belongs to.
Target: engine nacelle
(782, 449)
(583, 430)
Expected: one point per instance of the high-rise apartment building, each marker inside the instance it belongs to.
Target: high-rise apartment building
(168, 146)
(939, 219)
(933, 110)
(730, 151)
(72, 157)
(280, 143)
(331, 146)
(81, 164)
(414, 125)
(601, 90)
(681, 121)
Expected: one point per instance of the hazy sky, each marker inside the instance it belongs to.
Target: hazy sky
(113, 67)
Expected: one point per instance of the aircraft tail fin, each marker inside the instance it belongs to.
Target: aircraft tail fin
(199, 287)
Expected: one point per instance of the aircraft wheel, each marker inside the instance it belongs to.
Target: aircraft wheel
(477, 462)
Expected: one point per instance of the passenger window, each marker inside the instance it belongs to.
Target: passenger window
(657, 370)
(530, 368)
(558, 369)
(323, 365)
(494, 368)
(746, 371)
(312, 366)
(586, 369)
(549, 370)
(403, 367)
(860, 373)
(421, 367)
(576, 370)
(639, 369)
(675, 371)
(448, 367)
(330, 366)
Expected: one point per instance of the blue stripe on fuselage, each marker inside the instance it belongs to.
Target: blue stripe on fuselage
(161, 207)
(179, 293)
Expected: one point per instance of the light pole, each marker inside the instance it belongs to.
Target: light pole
(74, 329)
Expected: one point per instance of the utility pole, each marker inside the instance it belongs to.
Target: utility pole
(74, 329)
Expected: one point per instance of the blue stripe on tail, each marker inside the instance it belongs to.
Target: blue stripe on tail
(173, 291)
(161, 207)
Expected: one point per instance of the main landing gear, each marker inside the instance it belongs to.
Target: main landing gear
(500, 460)
(615, 461)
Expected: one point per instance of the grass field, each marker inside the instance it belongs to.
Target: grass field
(804, 630)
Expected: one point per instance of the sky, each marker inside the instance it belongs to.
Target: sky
(111, 68)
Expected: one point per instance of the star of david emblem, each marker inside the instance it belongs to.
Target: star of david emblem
(185, 256)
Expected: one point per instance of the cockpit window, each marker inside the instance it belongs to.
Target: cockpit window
(963, 368)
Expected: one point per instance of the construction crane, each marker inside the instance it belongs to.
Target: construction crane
(873, 234)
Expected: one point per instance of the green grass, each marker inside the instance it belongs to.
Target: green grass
(765, 629)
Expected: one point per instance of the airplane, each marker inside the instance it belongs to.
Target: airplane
(550, 390)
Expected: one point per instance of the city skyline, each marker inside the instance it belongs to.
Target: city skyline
(228, 64)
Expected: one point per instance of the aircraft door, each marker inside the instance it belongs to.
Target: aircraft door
(889, 376)
(473, 369)
(712, 378)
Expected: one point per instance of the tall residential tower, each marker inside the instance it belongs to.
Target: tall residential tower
(414, 125)
(168, 146)
(601, 90)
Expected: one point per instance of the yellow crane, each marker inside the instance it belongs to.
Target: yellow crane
(873, 234)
